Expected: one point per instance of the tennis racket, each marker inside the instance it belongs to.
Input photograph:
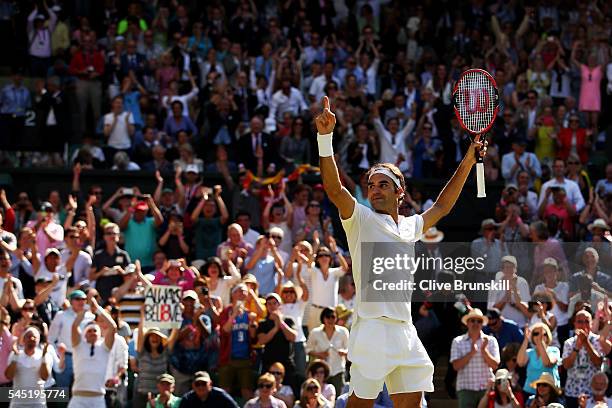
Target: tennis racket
(476, 103)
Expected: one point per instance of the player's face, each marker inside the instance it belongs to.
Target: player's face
(382, 194)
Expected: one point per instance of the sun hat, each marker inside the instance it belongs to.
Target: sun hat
(475, 314)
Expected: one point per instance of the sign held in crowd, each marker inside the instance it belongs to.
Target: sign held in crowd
(163, 307)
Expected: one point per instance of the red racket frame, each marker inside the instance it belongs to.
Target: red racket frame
(495, 111)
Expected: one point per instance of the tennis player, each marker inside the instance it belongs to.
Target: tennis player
(384, 346)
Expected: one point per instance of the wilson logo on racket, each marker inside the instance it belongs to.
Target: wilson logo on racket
(476, 100)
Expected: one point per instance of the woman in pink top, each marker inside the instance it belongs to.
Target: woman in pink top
(175, 273)
(591, 75)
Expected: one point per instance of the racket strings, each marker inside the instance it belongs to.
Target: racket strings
(476, 101)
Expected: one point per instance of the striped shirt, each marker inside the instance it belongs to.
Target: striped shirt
(129, 306)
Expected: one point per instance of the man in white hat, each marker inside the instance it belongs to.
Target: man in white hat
(401, 363)
(511, 302)
(474, 356)
(600, 241)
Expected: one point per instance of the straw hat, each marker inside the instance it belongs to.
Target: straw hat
(502, 374)
(343, 312)
(477, 314)
(289, 285)
(598, 223)
(155, 330)
(432, 235)
(546, 378)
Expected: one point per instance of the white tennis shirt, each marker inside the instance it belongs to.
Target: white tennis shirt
(366, 225)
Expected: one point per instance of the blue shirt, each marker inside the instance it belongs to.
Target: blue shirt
(240, 337)
(265, 273)
(131, 103)
(509, 333)
(535, 367)
(172, 127)
(14, 101)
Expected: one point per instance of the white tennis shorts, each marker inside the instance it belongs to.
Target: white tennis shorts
(387, 351)
(78, 401)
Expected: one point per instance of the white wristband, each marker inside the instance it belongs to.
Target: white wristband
(326, 148)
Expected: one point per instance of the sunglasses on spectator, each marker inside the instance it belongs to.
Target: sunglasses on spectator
(276, 236)
(96, 192)
(265, 385)
(73, 237)
(279, 373)
(110, 233)
(312, 388)
(475, 321)
(27, 308)
(573, 162)
(582, 321)
(426, 127)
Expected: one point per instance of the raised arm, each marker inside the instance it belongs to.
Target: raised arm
(157, 215)
(109, 336)
(338, 195)
(450, 193)
(76, 331)
(217, 189)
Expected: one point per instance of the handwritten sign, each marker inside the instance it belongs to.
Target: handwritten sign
(163, 307)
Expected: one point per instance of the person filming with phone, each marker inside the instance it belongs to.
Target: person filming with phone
(500, 393)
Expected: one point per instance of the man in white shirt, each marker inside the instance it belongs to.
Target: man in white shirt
(116, 370)
(249, 235)
(92, 351)
(286, 99)
(118, 126)
(317, 88)
(512, 302)
(329, 342)
(394, 355)
(574, 196)
(393, 140)
(518, 159)
(29, 368)
(39, 41)
(52, 264)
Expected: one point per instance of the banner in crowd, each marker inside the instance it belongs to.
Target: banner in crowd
(276, 179)
(163, 307)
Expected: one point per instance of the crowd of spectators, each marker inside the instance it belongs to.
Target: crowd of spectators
(184, 89)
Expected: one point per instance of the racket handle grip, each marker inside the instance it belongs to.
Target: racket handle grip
(480, 180)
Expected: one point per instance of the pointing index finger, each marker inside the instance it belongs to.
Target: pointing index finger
(325, 102)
